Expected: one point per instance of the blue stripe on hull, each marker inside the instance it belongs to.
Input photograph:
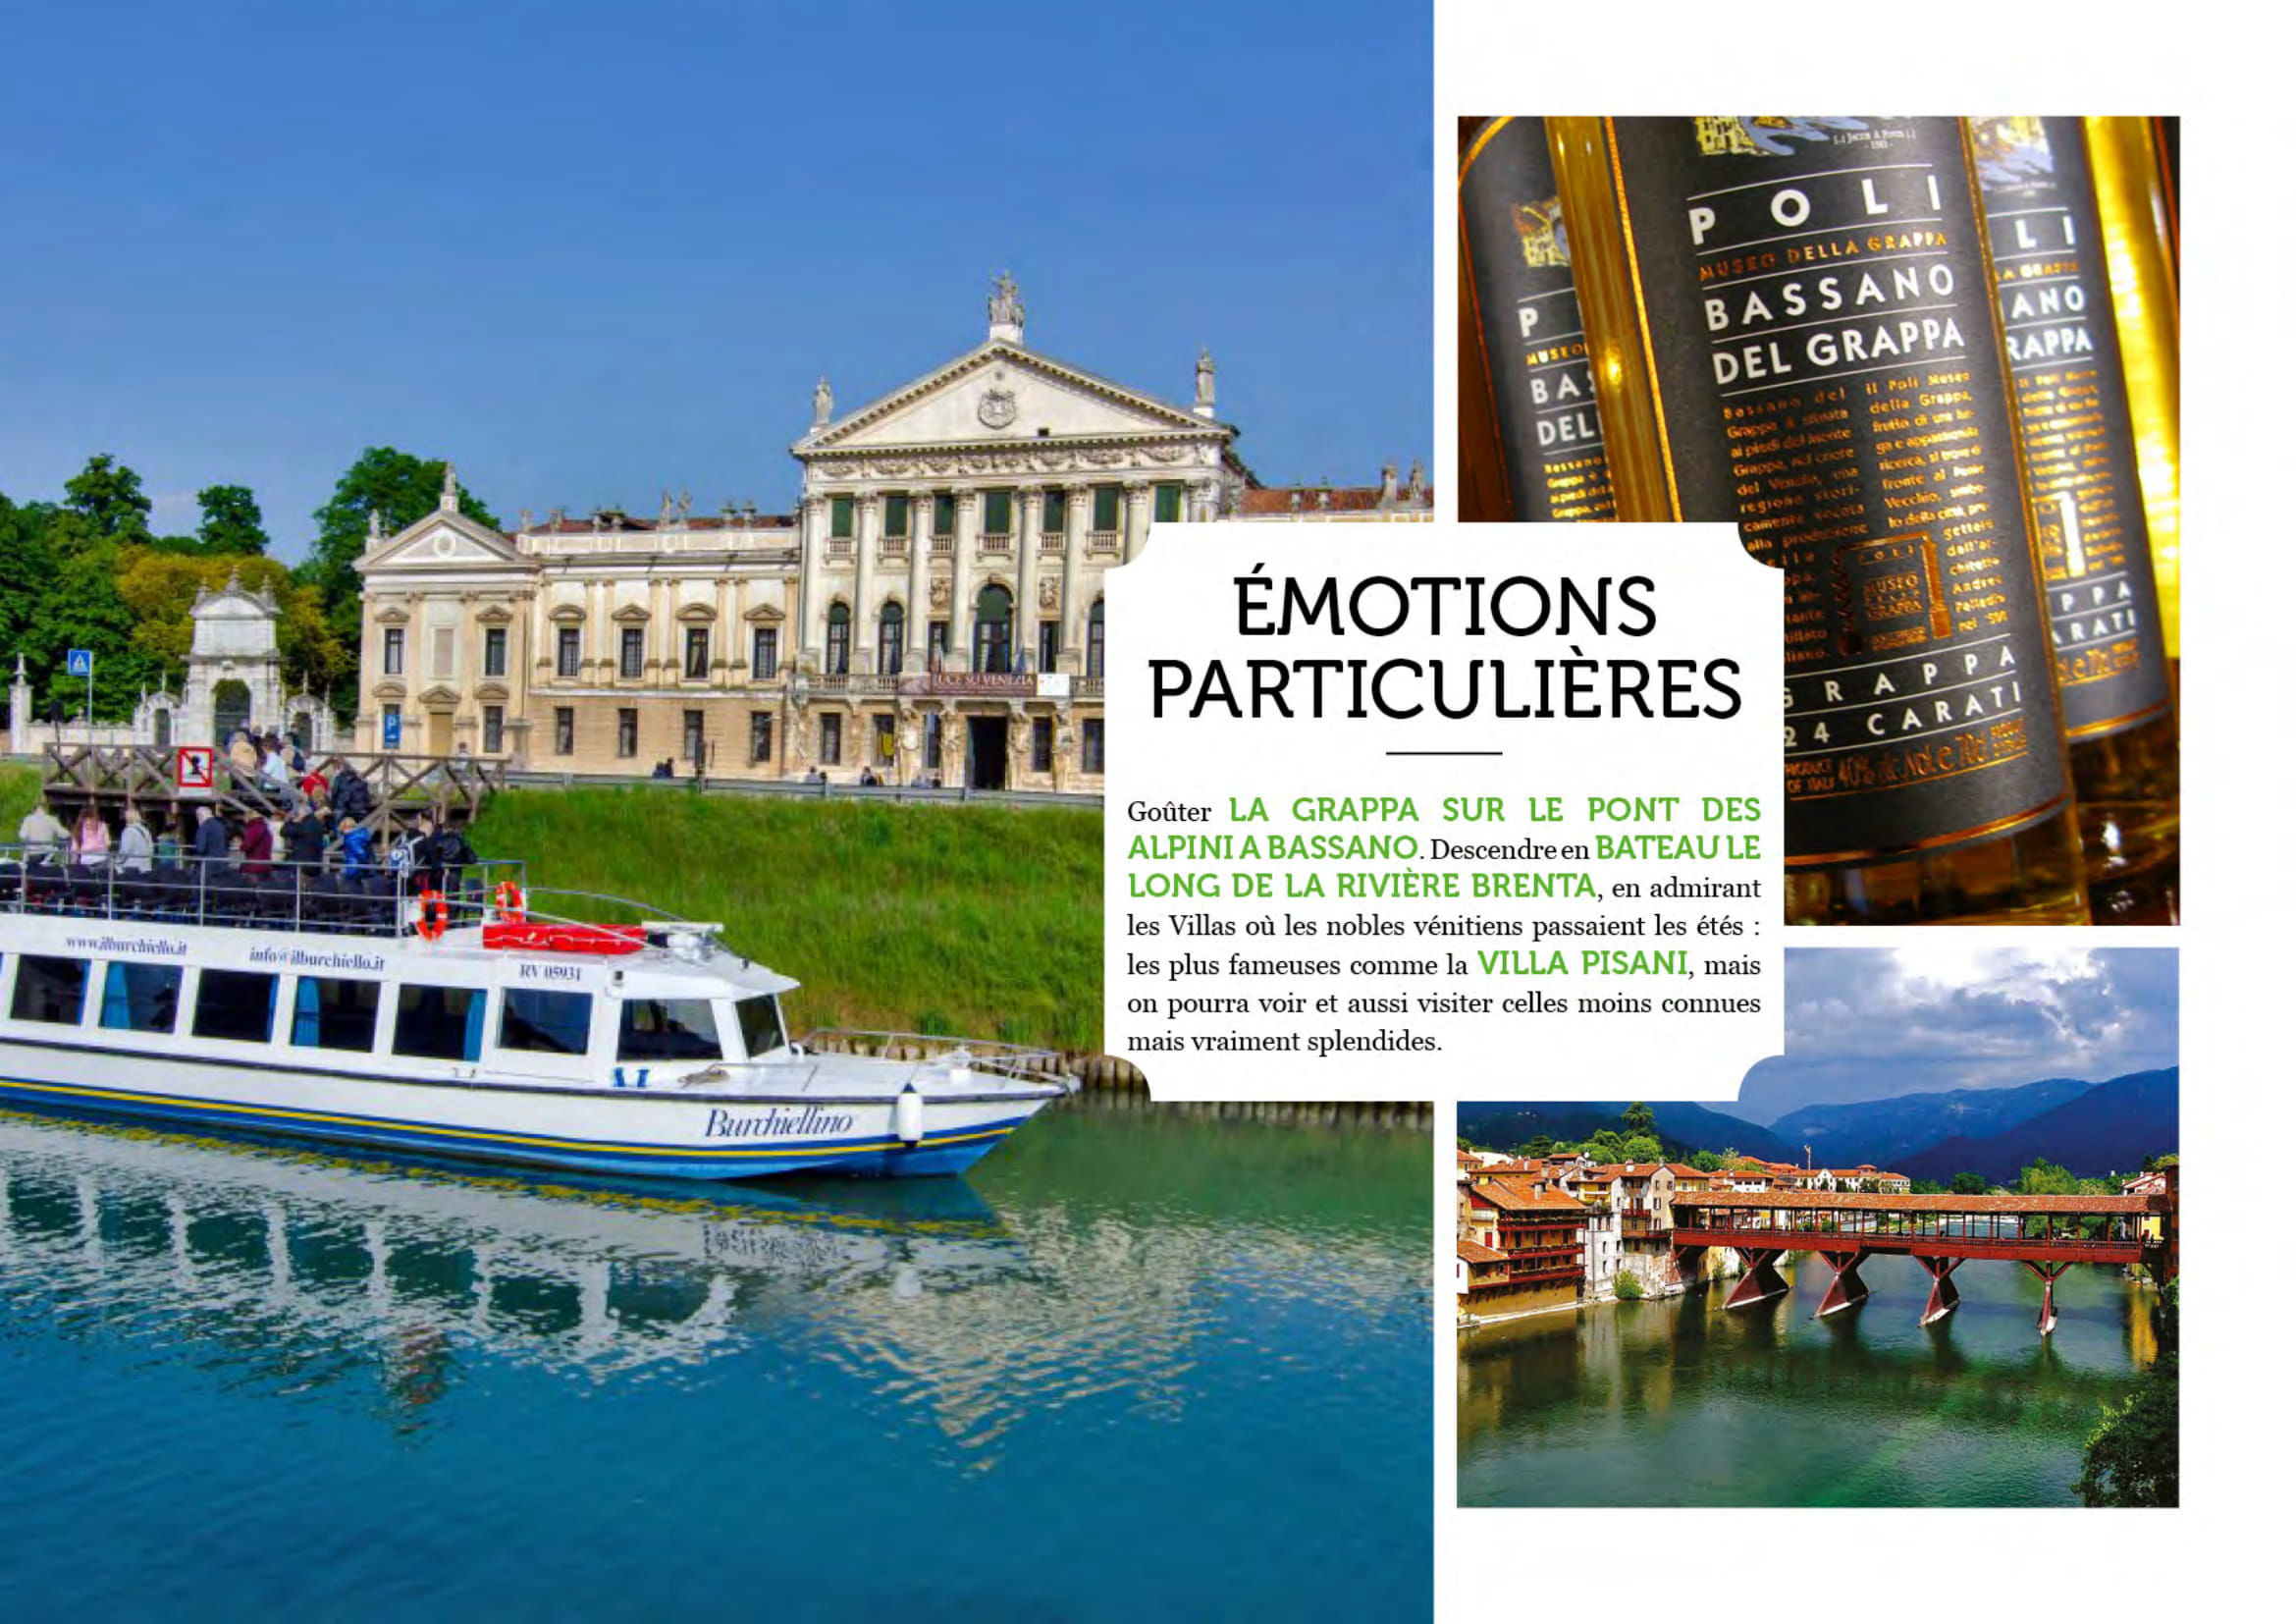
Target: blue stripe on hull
(861, 1158)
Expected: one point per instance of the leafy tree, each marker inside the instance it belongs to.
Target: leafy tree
(1606, 1146)
(402, 488)
(110, 493)
(159, 588)
(1639, 1118)
(1628, 1287)
(2131, 1458)
(1931, 1187)
(1539, 1146)
(1969, 1184)
(1641, 1147)
(230, 521)
(2046, 1178)
(83, 609)
(1706, 1162)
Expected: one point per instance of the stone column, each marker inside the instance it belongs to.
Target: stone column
(1205, 502)
(864, 606)
(19, 712)
(920, 605)
(1072, 575)
(1025, 613)
(1137, 497)
(960, 581)
(812, 608)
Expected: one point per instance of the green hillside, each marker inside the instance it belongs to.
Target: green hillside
(979, 920)
(20, 787)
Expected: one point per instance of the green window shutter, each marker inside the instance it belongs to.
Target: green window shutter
(1055, 512)
(996, 513)
(896, 515)
(1168, 504)
(840, 517)
(1105, 499)
(945, 516)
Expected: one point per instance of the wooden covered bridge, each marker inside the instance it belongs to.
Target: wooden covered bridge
(2048, 1234)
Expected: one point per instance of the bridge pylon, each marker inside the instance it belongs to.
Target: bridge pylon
(1944, 1296)
(1761, 1281)
(1847, 1290)
(2047, 1273)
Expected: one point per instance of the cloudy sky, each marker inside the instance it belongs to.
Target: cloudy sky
(1866, 1024)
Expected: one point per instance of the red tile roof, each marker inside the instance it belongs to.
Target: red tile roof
(1272, 500)
(1514, 1195)
(1474, 1251)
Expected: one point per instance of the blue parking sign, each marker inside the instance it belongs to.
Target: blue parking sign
(390, 729)
(80, 662)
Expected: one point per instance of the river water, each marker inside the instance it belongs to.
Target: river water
(1678, 1401)
(1138, 1366)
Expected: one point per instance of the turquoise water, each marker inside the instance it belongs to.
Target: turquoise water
(1679, 1401)
(1139, 1365)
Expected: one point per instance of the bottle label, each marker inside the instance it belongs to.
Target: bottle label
(2080, 452)
(1533, 346)
(1827, 373)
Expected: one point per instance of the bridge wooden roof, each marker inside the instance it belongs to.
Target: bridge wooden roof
(1865, 1202)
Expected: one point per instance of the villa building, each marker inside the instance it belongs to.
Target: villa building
(931, 611)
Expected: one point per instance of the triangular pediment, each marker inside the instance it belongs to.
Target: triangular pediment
(1001, 393)
(443, 541)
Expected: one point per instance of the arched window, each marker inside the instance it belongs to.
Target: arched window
(1095, 639)
(992, 629)
(840, 640)
(891, 623)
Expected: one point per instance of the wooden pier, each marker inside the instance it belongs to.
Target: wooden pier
(399, 787)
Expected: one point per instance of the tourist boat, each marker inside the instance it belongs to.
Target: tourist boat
(370, 1012)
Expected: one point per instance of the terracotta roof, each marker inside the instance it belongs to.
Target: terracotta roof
(1682, 1169)
(1272, 500)
(1859, 1201)
(1474, 1251)
(1513, 1196)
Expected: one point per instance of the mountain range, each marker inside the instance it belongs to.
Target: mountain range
(1682, 1128)
(2091, 1128)
(2110, 1128)
(1885, 1132)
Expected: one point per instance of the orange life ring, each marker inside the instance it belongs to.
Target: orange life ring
(430, 918)
(509, 902)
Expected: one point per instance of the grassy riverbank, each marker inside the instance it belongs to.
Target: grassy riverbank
(980, 920)
(20, 787)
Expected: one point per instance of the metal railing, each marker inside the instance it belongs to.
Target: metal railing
(319, 899)
(1018, 1063)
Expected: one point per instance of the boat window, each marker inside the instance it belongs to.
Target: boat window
(668, 1029)
(546, 1023)
(335, 1014)
(236, 1005)
(440, 1023)
(141, 998)
(760, 1024)
(50, 988)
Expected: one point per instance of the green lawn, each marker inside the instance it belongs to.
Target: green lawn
(20, 787)
(978, 920)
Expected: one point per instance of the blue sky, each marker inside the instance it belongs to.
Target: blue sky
(593, 252)
(1872, 1024)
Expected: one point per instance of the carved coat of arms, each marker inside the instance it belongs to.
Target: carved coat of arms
(999, 409)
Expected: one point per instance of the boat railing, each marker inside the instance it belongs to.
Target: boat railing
(371, 898)
(1019, 1062)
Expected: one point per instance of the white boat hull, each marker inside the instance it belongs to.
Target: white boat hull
(643, 1131)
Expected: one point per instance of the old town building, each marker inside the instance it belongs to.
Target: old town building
(931, 613)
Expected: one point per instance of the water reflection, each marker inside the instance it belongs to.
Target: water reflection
(1681, 1401)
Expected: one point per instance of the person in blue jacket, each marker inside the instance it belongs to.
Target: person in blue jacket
(357, 849)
